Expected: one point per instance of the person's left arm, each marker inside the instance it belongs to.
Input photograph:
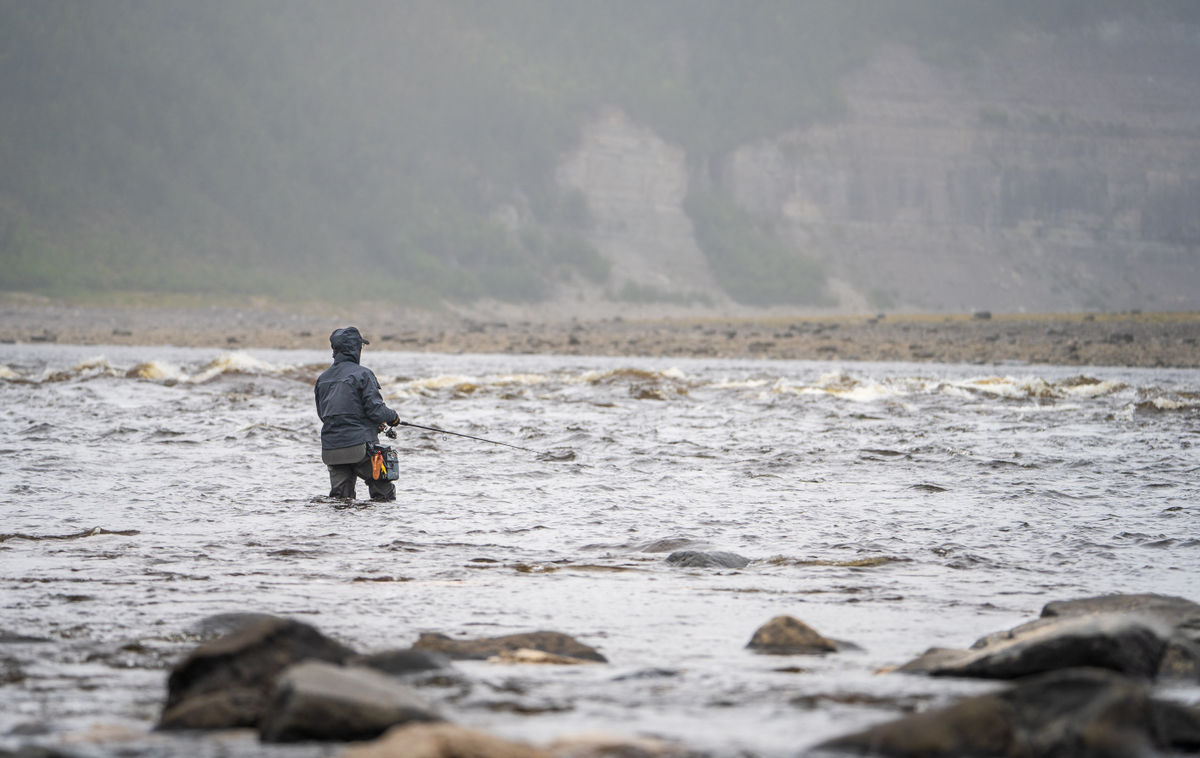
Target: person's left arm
(373, 406)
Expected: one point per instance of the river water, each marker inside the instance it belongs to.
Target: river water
(896, 506)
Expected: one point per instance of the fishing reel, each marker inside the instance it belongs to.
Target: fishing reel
(390, 433)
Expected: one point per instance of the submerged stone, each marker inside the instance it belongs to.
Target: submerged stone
(700, 559)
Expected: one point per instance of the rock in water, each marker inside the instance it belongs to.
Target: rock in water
(1128, 645)
(1139, 635)
(699, 559)
(224, 683)
(320, 701)
(222, 624)
(1080, 713)
(556, 643)
(785, 635)
(401, 662)
(1174, 610)
(440, 741)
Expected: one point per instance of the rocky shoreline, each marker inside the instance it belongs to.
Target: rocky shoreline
(1084, 679)
(1149, 340)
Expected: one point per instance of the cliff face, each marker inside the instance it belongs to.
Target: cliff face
(635, 184)
(1056, 173)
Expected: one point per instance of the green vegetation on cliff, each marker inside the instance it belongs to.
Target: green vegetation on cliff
(407, 149)
(754, 267)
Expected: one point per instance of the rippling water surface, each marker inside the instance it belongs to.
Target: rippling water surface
(897, 506)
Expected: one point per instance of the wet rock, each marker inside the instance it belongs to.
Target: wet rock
(1181, 660)
(1138, 635)
(702, 559)
(401, 662)
(785, 635)
(221, 624)
(229, 708)
(1176, 611)
(224, 683)
(1077, 713)
(441, 741)
(654, 673)
(1126, 644)
(315, 700)
(482, 649)
(667, 545)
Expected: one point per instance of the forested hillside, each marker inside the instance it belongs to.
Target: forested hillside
(408, 150)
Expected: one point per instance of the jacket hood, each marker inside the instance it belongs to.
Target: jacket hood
(347, 343)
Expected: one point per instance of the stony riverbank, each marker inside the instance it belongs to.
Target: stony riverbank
(1084, 679)
(1125, 339)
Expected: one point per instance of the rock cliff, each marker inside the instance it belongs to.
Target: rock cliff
(635, 184)
(1055, 172)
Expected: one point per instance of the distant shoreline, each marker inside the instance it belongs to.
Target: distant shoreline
(1131, 339)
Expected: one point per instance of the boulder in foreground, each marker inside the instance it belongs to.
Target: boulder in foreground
(1126, 644)
(320, 701)
(555, 643)
(225, 683)
(1138, 635)
(1078, 713)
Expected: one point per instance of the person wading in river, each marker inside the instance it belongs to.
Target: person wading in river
(352, 414)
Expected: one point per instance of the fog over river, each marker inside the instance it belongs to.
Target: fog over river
(897, 506)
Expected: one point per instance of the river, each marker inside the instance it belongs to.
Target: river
(897, 506)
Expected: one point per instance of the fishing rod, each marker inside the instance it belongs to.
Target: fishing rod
(460, 434)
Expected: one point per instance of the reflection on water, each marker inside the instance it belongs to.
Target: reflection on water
(896, 506)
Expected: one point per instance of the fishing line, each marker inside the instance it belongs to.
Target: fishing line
(468, 436)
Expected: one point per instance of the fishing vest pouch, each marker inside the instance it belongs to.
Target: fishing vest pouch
(385, 464)
(342, 456)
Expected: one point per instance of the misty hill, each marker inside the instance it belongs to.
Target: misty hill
(923, 154)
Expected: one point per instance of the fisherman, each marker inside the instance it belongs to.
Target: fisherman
(352, 414)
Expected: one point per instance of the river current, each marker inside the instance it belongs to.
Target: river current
(896, 506)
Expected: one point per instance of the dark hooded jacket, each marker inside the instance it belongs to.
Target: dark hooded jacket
(348, 399)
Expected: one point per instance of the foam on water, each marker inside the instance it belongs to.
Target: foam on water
(235, 363)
